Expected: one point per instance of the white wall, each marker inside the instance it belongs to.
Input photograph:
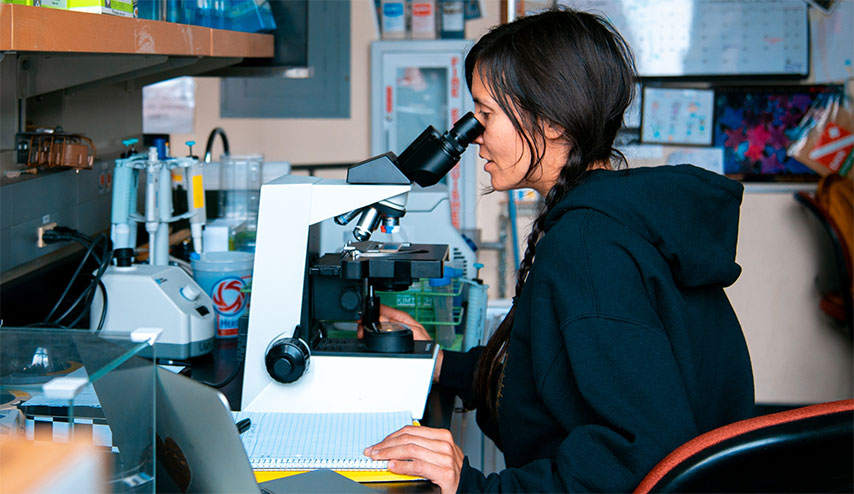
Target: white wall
(799, 355)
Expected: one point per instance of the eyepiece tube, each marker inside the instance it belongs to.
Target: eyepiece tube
(431, 156)
(466, 130)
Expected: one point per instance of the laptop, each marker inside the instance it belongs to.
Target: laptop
(199, 447)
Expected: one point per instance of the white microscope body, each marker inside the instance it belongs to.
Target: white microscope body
(280, 374)
(289, 206)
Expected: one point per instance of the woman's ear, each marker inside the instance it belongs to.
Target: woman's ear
(552, 131)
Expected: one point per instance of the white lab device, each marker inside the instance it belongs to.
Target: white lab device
(164, 297)
(156, 294)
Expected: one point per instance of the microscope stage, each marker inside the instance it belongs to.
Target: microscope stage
(352, 347)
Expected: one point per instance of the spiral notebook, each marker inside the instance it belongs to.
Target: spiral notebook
(277, 442)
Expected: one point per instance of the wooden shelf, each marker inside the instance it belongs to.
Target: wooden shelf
(39, 29)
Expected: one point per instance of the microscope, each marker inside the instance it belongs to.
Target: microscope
(291, 365)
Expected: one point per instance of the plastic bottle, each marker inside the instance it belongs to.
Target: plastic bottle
(423, 19)
(475, 312)
(393, 19)
(453, 21)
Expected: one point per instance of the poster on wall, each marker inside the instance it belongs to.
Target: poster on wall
(755, 126)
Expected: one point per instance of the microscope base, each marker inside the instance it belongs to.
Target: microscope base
(352, 384)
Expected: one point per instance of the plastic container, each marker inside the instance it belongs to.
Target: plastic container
(150, 9)
(423, 19)
(250, 16)
(223, 276)
(452, 19)
(393, 17)
(443, 307)
(240, 187)
(475, 312)
(434, 304)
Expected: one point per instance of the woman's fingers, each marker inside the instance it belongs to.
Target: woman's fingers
(395, 315)
(388, 314)
(423, 452)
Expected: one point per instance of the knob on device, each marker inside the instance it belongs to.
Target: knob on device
(287, 359)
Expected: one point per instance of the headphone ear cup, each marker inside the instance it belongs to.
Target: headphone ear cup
(287, 359)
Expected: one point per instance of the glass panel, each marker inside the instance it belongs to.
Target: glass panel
(422, 100)
(59, 386)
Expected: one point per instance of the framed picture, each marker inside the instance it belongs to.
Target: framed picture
(677, 116)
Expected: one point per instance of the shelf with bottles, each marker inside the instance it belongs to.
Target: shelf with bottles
(248, 16)
(37, 29)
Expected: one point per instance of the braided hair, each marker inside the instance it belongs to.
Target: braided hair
(567, 69)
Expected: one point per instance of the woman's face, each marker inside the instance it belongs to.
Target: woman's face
(507, 156)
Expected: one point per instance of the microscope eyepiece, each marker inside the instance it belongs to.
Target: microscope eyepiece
(464, 131)
(432, 155)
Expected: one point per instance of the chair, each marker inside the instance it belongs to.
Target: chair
(836, 299)
(807, 449)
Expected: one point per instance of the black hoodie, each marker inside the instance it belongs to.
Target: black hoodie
(624, 345)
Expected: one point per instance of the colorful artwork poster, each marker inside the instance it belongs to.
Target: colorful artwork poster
(754, 127)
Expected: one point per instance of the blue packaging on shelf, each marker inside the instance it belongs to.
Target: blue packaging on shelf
(250, 16)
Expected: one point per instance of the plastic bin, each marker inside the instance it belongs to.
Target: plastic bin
(428, 305)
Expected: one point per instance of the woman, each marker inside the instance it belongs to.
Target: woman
(621, 344)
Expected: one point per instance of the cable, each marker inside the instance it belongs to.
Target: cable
(101, 255)
(242, 330)
(51, 239)
(89, 292)
(103, 309)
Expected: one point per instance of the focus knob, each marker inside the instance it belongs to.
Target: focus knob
(287, 359)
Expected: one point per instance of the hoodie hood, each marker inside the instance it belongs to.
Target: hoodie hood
(689, 214)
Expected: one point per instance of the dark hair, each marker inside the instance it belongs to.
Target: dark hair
(569, 69)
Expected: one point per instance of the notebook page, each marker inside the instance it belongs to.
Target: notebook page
(302, 441)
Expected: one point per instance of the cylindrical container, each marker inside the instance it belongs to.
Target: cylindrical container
(223, 275)
(452, 19)
(240, 187)
(475, 315)
(423, 19)
(393, 17)
(443, 308)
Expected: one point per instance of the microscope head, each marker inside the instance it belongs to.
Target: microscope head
(424, 162)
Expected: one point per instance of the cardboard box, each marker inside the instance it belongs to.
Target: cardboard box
(111, 7)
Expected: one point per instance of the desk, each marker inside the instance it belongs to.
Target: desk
(219, 364)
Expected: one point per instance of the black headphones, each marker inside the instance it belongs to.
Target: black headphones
(287, 359)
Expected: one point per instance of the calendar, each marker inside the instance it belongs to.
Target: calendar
(675, 38)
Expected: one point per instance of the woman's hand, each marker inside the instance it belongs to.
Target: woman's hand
(422, 452)
(387, 314)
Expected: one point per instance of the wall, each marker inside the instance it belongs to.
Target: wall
(798, 355)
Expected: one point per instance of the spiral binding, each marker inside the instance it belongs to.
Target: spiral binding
(316, 463)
